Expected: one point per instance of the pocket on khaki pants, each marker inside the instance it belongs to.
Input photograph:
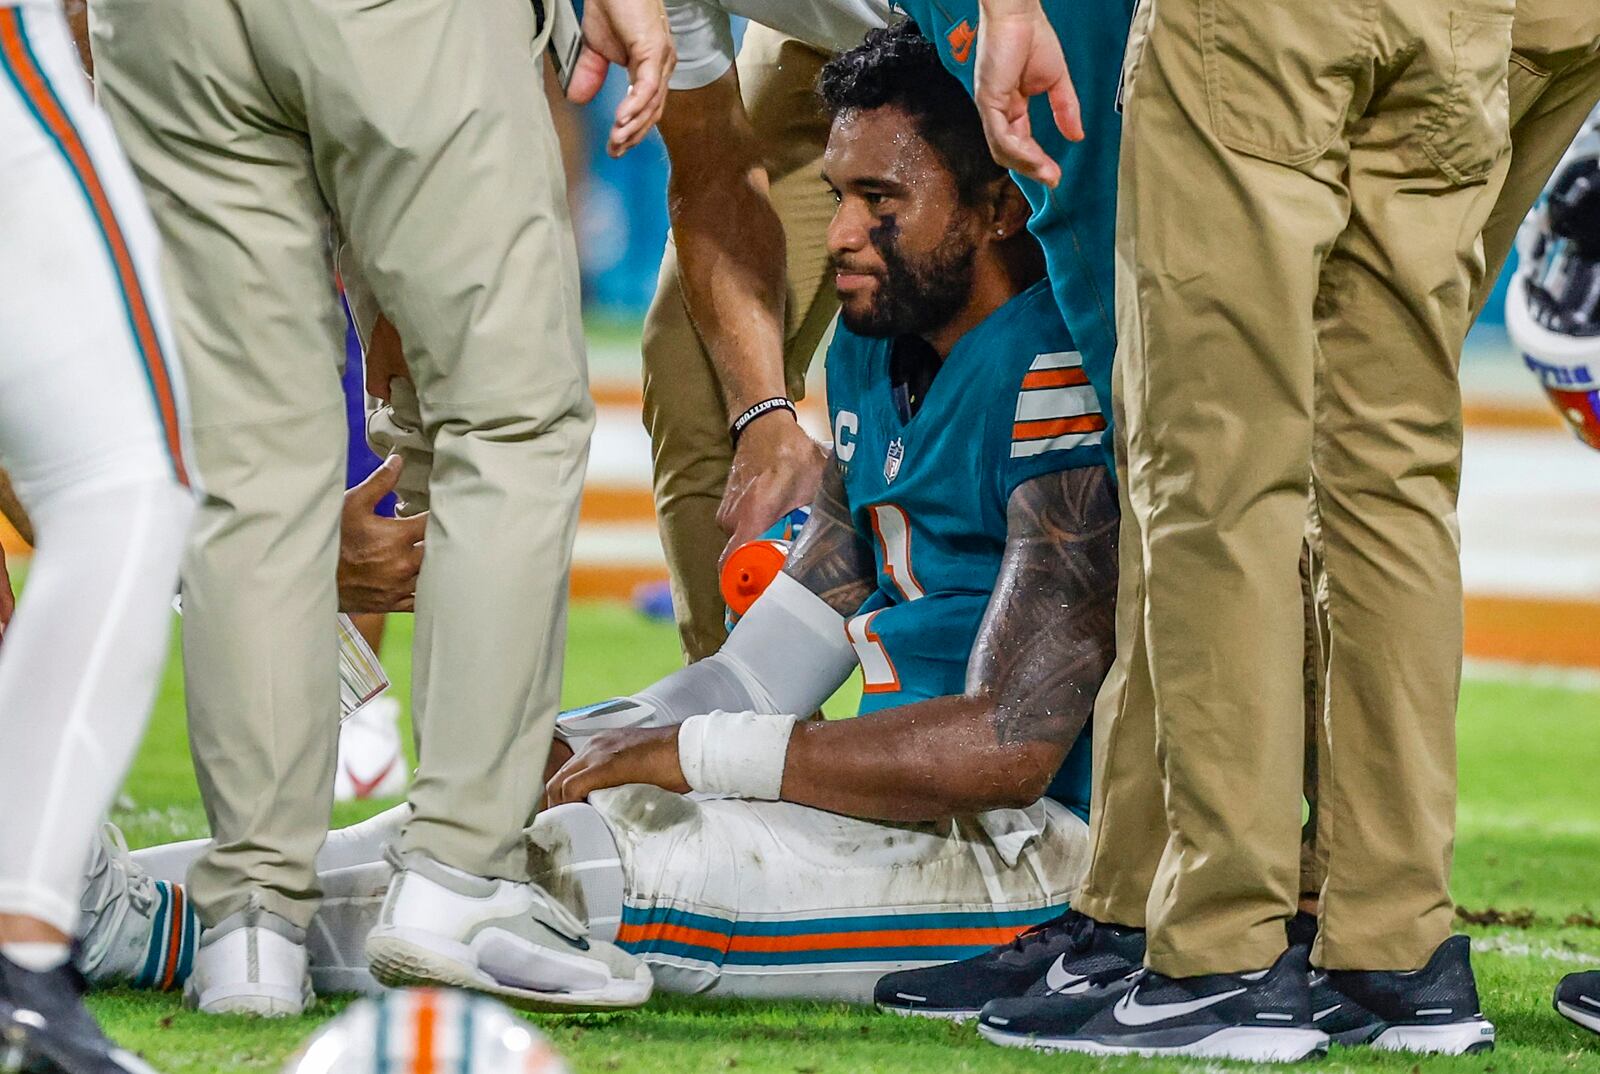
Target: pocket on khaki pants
(1279, 76)
(1470, 127)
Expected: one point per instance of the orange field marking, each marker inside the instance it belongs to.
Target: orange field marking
(1528, 630)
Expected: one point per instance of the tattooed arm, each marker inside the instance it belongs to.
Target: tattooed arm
(1043, 648)
(831, 559)
(1041, 653)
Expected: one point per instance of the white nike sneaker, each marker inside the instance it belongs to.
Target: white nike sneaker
(132, 928)
(372, 760)
(254, 962)
(442, 926)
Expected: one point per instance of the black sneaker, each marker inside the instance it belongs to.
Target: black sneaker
(1263, 1016)
(1578, 998)
(1067, 954)
(45, 1028)
(1432, 1010)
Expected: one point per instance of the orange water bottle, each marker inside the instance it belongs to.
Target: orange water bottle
(752, 566)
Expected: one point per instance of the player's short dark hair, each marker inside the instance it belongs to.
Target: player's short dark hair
(897, 67)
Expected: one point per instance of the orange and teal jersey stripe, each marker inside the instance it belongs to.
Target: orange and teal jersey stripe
(876, 938)
(28, 77)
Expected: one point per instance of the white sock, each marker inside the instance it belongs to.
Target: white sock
(37, 957)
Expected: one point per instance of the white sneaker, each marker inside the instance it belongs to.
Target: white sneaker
(254, 962)
(132, 928)
(372, 760)
(352, 901)
(442, 926)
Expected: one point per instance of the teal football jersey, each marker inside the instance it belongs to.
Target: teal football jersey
(1011, 402)
(1075, 222)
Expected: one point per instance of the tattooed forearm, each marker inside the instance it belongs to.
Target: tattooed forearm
(1049, 635)
(830, 559)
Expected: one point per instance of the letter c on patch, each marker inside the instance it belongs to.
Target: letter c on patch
(845, 422)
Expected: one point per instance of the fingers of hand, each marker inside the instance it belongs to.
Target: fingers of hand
(588, 75)
(378, 484)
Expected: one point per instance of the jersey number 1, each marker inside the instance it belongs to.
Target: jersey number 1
(892, 527)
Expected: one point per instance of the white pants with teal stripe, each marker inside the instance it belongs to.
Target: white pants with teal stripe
(772, 899)
(736, 898)
(92, 432)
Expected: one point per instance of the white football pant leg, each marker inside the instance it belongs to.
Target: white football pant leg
(772, 899)
(91, 429)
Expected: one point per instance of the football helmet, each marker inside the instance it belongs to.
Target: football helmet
(1553, 305)
(427, 1031)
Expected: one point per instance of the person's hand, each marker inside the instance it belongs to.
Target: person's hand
(1019, 57)
(615, 758)
(8, 602)
(385, 360)
(379, 558)
(777, 467)
(632, 34)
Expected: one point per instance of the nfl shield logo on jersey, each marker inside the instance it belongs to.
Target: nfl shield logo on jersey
(891, 461)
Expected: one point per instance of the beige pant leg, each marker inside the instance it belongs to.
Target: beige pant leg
(432, 135)
(1392, 313)
(1127, 810)
(1218, 391)
(683, 407)
(1551, 95)
(1220, 454)
(260, 331)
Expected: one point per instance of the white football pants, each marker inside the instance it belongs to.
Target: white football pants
(92, 418)
(725, 896)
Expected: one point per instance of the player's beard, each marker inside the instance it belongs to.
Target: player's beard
(916, 296)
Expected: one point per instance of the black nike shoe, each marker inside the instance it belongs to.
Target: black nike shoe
(1067, 954)
(1265, 1016)
(45, 1028)
(1433, 1010)
(1578, 998)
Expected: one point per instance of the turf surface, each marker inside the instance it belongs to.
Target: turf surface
(1528, 865)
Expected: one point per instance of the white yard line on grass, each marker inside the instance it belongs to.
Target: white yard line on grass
(1584, 680)
(1501, 945)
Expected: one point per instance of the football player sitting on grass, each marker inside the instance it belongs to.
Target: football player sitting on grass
(962, 553)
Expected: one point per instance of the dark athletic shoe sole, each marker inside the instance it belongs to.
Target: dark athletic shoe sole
(1247, 1043)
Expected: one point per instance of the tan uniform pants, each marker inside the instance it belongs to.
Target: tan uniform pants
(1321, 337)
(683, 407)
(1554, 83)
(420, 131)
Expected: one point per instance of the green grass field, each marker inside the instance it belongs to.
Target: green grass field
(1528, 858)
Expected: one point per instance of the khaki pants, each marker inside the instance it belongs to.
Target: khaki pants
(420, 132)
(1553, 87)
(683, 406)
(1321, 337)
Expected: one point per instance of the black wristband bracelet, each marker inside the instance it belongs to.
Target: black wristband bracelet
(766, 406)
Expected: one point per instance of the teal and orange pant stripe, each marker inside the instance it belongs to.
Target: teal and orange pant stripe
(27, 76)
(913, 937)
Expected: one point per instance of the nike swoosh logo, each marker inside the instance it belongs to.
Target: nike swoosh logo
(364, 787)
(1058, 980)
(1130, 1012)
(1320, 1015)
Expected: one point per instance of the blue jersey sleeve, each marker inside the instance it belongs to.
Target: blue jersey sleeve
(1052, 419)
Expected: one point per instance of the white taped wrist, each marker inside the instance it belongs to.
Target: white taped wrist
(735, 753)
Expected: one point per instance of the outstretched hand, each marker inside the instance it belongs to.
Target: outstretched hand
(1020, 57)
(379, 558)
(632, 34)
